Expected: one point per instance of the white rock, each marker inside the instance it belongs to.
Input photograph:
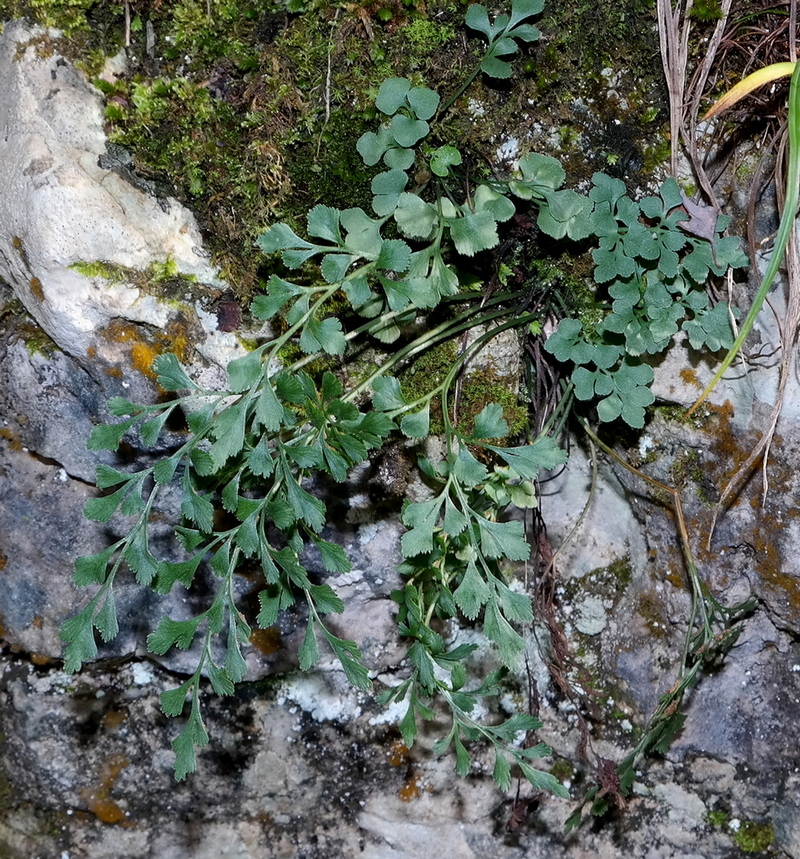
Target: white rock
(61, 207)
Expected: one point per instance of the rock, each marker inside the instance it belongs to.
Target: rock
(61, 207)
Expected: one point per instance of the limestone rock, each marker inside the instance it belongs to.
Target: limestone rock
(62, 207)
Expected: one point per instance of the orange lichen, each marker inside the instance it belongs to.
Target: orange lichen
(266, 641)
(37, 289)
(41, 659)
(113, 719)
(689, 377)
(3, 561)
(398, 753)
(411, 789)
(12, 438)
(98, 799)
(142, 357)
(177, 337)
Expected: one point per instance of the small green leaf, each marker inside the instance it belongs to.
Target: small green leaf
(259, 459)
(423, 102)
(333, 556)
(181, 571)
(221, 683)
(193, 735)
(474, 232)
(545, 171)
(120, 407)
(408, 726)
(228, 429)
(466, 469)
(477, 18)
(372, 146)
(489, 423)
(542, 780)
(306, 507)
(408, 132)
(528, 461)
(323, 222)
(106, 619)
(108, 436)
(244, 372)
(140, 559)
(270, 414)
(454, 520)
(363, 233)
(417, 425)
(280, 237)
(172, 700)
(323, 335)
(516, 607)
(106, 476)
(309, 651)
(392, 95)
(102, 509)
(498, 206)
(170, 375)
(164, 470)
(334, 266)
(91, 569)
(395, 255)
(202, 462)
(280, 292)
(501, 772)
(349, 655)
(247, 536)
(326, 600)
(503, 540)
(443, 159)
(179, 633)
(197, 508)
(472, 593)
(398, 158)
(415, 218)
(78, 633)
(462, 758)
(510, 643)
(387, 394)
(421, 517)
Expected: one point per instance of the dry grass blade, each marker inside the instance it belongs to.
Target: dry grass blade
(673, 32)
(752, 82)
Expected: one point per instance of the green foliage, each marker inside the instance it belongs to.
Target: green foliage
(246, 468)
(655, 272)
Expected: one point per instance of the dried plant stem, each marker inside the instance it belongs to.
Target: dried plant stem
(674, 26)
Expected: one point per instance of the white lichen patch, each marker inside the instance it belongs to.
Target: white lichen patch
(318, 694)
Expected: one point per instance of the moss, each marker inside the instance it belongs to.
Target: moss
(563, 769)
(424, 37)
(425, 374)
(486, 386)
(717, 818)
(687, 468)
(650, 607)
(754, 837)
(161, 279)
(99, 269)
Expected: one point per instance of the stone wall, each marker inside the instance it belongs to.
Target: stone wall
(299, 764)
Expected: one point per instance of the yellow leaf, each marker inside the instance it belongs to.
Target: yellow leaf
(746, 86)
